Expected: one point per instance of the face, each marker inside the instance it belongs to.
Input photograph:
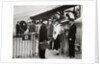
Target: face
(50, 22)
(70, 22)
(56, 22)
(45, 22)
(23, 24)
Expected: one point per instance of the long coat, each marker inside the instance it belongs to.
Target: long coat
(42, 38)
(43, 33)
(71, 40)
(17, 29)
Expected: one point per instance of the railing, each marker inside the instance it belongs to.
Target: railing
(25, 46)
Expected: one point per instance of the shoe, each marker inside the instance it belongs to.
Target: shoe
(57, 53)
(71, 57)
(43, 57)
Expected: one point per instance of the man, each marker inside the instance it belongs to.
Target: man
(32, 27)
(17, 29)
(42, 38)
(71, 38)
(32, 33)
(50, 33)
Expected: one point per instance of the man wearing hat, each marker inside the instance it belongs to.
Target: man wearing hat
(17, 29)
(42, 38)
(71, 36)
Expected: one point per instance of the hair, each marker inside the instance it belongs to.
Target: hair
(44, 19)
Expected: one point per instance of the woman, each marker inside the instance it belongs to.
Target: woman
(56, 36)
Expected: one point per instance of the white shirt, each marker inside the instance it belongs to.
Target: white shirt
(57, 30)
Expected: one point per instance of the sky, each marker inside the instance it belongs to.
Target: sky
(24, 12)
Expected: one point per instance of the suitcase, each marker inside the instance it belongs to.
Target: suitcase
(44, 45)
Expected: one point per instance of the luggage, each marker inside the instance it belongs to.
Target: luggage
(44, 45)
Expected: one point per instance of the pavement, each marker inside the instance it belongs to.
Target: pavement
(50, 54)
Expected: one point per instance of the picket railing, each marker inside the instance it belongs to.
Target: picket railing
(24, 46)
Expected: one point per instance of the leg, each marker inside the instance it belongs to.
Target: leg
(33, 44)
(71, 49)
(41, 53)
(62, 47)
(51, 45)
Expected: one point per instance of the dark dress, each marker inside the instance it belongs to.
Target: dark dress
(72, 36)
(57, 43)
(42, 38)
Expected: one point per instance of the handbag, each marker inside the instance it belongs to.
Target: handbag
(44, 45)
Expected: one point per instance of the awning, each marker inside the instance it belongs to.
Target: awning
(49, 13)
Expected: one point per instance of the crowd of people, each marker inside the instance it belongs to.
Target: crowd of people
(52, 33)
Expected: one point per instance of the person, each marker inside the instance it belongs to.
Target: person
(56, 36)
(17, 29)
(32, 33)
(23, 27)
(32, 27)
(42, 38)
(56, 33)
(37, 28)
(71, 38)
(64, 38)
(50, 33)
